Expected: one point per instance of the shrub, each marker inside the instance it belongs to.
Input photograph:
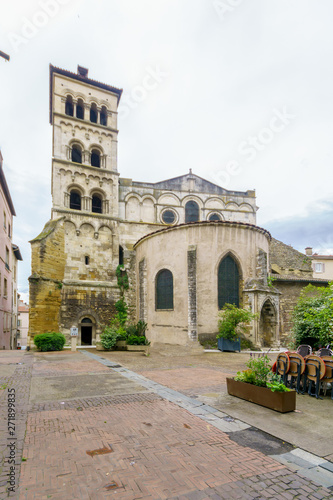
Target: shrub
(51, 341)
(313, 316)
(109, 337)
(259, 373)
(137, 340)
(233, 321)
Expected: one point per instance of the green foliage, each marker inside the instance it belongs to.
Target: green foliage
(233, 321)
(141, 327)
(109, 336)
(261, 368)
(313, 316)
(51, 341)
(137, 340)
(270, 281)
(122, 311)
(122, 278)
(259, 373)
(131, 330)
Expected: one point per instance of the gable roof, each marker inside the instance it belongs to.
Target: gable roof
(183, 183)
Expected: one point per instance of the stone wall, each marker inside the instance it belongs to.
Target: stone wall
(285, 260)
(48, 263)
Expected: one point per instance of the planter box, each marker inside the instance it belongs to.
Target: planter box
(278, 401)
(137, 348)
(228, 345)
(121, 345)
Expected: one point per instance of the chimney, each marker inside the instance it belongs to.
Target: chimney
(308, 251)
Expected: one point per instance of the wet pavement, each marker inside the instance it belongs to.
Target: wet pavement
(99, 425)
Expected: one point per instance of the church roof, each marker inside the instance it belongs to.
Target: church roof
(182, 183)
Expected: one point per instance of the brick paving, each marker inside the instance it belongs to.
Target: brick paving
(136, 446)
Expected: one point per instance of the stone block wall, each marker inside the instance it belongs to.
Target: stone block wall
(48, 263)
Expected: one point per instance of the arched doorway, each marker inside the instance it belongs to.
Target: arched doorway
(86, 331)
(267, 324)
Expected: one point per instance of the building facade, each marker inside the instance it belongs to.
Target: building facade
(187, 245)
(9, 257)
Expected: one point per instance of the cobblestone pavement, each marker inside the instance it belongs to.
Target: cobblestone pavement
(133, 446)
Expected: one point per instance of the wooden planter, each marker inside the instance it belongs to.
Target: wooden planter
(278, 401)
(228, 345)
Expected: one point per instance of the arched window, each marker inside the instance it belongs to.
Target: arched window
(93, 113)
(69, 108)
(75, 200)
(228, 282)
(191, 211)
(80, 109)
(95, 158)
(214, 217)
(96, 204)
(104, 116)
(76, 153)
(164, 290)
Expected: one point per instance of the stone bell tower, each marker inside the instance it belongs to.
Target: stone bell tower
(83, 232)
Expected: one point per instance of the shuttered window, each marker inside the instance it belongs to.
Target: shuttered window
(164, 290)
(228, 282)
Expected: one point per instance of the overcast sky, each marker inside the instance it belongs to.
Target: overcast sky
(239, 91)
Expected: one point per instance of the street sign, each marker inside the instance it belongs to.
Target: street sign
(74, 331)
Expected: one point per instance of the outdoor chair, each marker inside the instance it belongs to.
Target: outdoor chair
(324, 351)
(314, 372)
(328, 377)
(296, 370)
(282, 366)
(304, 350)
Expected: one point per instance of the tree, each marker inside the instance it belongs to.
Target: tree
(313, 316)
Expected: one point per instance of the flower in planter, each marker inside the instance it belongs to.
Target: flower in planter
(260, 374)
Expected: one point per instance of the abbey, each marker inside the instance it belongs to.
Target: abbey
(187, 245)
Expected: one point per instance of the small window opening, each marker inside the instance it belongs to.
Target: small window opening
(214, 217)
(80, 109)
(121, 256)
(93, 113)
(76, 154)
(104, 116)
(86, 260)
(69, 108)
(75, 200)
(95, 158)
(96, 204)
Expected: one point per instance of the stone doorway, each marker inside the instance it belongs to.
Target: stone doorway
(86, 331)
(268, 325)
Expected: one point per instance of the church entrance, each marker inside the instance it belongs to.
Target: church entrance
(267, 324)
(86, 331)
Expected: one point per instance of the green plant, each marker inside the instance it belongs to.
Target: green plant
(277, 387)
(233, 321)
(137, 340)
(131, 330)
(246, 376)
(122, 278)
(313, 316)
(109, 336)
(261, 368)
(270, 281)
(50, 341)
(141, 327)
(122, 312)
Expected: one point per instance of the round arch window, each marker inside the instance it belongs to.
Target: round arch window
(214, 217)
(168, 217)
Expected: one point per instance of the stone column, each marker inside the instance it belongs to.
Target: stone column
(192, 292)
(143, 290)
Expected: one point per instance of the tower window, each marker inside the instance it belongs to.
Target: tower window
(104, 116)
(75, 200)
(95, 158)
(69, 108)
(86, 260)
(191, 212)
(80, 109)
(96, 204)
(164, 289)
(76, 154)
(93, 113)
